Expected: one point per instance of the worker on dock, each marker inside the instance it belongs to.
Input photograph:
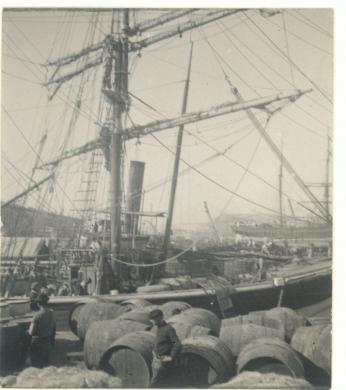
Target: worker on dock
(166, 349)
(42, 332)
(34, 293)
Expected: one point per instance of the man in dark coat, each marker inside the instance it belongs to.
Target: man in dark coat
(166, 349)
(42, 332)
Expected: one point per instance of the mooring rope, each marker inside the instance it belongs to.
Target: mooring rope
(152, 264)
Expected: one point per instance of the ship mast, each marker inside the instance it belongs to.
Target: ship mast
(114, 57)
(118, 96)
(327, 184)
(280, 186)
(169, 221)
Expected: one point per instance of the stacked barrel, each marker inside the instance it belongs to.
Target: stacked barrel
(119, 339)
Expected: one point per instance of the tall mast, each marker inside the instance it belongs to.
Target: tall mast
(176, 164)
(280, 186)
(117, 93)
(326, 189)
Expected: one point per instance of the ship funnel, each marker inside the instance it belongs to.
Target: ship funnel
(134, 192)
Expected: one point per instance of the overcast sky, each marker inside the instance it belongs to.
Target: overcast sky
(245, 46)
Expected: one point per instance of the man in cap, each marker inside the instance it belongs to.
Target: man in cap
(167, 346)
(34, 293)
(42, 332)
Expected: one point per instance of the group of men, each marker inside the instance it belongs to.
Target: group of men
(43, 327)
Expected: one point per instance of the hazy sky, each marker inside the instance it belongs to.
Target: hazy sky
(252, 63)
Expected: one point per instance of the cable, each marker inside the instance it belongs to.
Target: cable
(312, 24)
(31, 147)
(151, 264)
(287, 47)
(246, 58)
(243, 176)
(267, 64)
(20, 78)
(227, 157)
(60, 94)
(302, 39)
(219, 184)
(301, 125)
(219, 58)
(293, 63)
(25, 37)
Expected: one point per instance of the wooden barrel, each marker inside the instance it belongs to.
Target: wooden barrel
(257, 318)
(290, 319)
(270, 355)
(201, 317)
(172, 308)
(135, 303)
(182, 329)
(200, 331)
(153, 288)
(10, 347)
(315, 343)
(96, 311)
(150, 308)
(238, 336)
(102, 334)
(130, 358)
(74, 313)
(138, 315)
(213, 351)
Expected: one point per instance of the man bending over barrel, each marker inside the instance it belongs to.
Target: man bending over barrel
(167, 346)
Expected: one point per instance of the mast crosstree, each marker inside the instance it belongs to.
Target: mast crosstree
(113, 54)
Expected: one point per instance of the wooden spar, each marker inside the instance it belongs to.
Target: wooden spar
(27, 191)
(75, 56)
(159, 21)
(176, 163)
(152, 127)
(225, 108)
(89, 146)
(212, 223)
(285, 162)
(207, 18)
(78, 71)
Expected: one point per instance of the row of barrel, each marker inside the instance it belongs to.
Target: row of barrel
(119, 339)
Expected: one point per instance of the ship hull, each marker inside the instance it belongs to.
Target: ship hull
(296, 294)
(299, 291)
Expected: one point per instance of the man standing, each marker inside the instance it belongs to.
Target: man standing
(34, 293)
(167, 346)
(42, 332)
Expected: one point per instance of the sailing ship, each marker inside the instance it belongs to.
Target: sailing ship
(116, 40)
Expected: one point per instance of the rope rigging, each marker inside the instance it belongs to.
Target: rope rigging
(219, 60)
(272, 69)
(323, 93)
